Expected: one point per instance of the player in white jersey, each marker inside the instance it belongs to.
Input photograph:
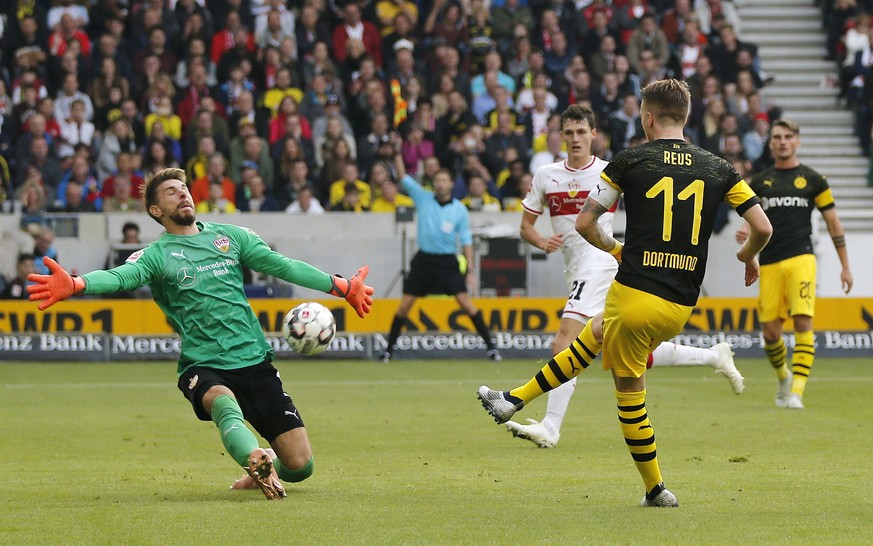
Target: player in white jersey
(561, 188)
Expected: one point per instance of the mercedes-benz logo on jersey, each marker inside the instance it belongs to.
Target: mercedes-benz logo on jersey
(186, 276)
(555, 202)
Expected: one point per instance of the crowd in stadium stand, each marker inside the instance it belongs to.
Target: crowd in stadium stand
(273, 105)
(847, 25)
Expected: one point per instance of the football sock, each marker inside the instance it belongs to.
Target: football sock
(639, 435)
(238, 440)
(483, 330)
(396, 328)
(670, 354)
(294, 476)
(776, 354)
(562, 367)
(801, 360)
(556, 407)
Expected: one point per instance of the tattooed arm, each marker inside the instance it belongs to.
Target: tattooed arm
(589, 228)
(835, 229)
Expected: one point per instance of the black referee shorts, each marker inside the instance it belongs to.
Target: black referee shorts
(434, 274)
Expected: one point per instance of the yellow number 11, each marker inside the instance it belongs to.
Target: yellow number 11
(695, 189)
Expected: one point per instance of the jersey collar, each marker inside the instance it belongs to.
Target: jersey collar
(572, 170)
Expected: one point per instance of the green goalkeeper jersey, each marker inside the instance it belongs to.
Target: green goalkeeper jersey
(197, 281)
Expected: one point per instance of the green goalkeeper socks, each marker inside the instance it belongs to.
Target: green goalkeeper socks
(294, 476)
(238, 440)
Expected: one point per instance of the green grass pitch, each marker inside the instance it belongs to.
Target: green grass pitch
(112, 454)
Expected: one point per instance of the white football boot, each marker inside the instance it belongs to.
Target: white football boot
(496, 404)
(725, 367)
(536, 432)
(660, 497)
(783, 391)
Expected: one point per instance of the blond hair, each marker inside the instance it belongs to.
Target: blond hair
(668, 100)
(788, 125)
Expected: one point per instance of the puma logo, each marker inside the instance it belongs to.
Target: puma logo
(573, 366)
(645, 426)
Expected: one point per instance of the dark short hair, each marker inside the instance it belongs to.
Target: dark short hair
(129, 225)
(150, 187)
(577, 112)
(23, 257)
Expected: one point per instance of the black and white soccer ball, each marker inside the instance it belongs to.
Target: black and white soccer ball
(309, 328)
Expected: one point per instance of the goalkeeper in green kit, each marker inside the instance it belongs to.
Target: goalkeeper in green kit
(195, 271)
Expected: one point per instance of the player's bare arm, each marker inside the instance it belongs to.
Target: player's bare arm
(588, 227)
(760, 231)
(534, 238)
(742, 233)
(838, 236)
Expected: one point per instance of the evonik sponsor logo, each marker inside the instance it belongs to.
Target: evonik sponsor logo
(785, 201)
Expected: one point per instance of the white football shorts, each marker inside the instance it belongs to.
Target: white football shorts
(588, 288)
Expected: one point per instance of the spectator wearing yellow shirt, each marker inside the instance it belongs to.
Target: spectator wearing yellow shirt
(196, 166)
(539, 143)
(387, 10)
(164, 114)
(216, 202)
(391, 198)
(351, 201)
(350, 178)
(478, 198)
(510, 156)
(273, 97)
(512, 203)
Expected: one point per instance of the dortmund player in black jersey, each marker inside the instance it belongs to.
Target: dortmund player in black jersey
(790, 191)
(672, 191)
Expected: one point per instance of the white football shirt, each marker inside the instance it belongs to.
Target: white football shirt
(563, 190)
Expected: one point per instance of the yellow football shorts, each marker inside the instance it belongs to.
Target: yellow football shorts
(787, 288)
(634, 323)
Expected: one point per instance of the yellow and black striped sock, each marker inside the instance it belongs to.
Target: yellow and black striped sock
(639, 435)
(776, 354)
(562, 367)
(801, 360)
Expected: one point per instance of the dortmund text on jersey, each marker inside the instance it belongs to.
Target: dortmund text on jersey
(672, 191)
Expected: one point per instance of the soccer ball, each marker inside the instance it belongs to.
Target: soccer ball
(309, 328)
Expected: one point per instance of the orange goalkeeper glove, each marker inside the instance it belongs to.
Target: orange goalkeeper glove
(358, 294)
(55, 287)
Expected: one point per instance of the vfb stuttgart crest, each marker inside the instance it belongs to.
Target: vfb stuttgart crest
(222, 244)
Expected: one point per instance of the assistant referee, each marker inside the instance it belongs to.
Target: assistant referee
(443, 222)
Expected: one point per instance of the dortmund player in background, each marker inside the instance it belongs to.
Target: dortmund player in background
(672, 192)
(791, 191)
(195, 271)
